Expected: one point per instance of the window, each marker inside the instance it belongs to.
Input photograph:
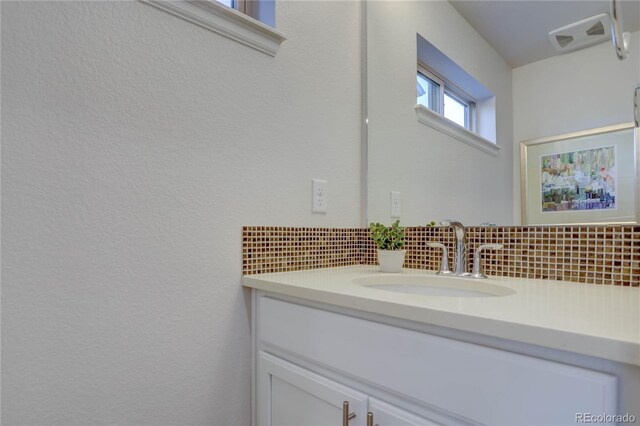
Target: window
(429, 91)
(261, 10)
(442, 97)
(452, 101)
(249, 22)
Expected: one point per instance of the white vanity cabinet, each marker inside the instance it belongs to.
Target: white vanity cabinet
(309, 360)
(292, 395)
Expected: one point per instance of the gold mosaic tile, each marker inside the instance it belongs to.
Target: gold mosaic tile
(601, 254)
(280, 249)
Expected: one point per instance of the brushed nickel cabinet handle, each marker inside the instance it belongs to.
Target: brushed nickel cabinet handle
(346, 416)
(369, 418)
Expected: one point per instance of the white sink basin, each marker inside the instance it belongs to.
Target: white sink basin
(431, 285)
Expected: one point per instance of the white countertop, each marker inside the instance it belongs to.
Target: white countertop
(589, 319)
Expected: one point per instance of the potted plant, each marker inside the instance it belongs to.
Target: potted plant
(390, 240)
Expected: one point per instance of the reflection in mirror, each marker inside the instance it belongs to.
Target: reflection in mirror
(581, 177)
(442, 170)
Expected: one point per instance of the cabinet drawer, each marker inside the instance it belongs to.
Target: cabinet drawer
(476, 382)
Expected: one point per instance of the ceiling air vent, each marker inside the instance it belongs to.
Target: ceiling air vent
(596, 30)
(564, 40)
(586, 32)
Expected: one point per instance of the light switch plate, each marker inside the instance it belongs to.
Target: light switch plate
(395, 204)
(319, 196)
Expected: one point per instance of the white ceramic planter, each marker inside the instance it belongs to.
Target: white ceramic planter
(391, 260)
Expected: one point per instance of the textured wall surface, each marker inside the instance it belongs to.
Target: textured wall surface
(438, 176)
(135, 146)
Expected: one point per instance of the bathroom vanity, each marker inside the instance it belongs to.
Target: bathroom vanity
(353, 346)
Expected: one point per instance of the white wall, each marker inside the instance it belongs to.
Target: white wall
(439, 177)
(580, 90)
(135, 146)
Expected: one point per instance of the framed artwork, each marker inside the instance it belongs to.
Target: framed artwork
(582, 177)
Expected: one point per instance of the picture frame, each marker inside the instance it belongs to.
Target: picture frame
(584, 177)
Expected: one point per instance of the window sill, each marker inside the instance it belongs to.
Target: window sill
(448, 127)
(225, 21)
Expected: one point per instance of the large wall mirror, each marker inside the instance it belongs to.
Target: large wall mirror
(487, 77)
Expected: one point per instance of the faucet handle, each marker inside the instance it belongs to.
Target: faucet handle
(444, 263)
(477, 273)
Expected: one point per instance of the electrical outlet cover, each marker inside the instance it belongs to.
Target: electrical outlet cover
(395, 204)
(319, 196)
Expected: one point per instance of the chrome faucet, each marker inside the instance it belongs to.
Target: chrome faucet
(460, 258)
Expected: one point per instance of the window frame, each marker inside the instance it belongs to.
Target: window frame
(468, 107)
(228, 22)
(247, 7)
(440, 82)
(453, 91)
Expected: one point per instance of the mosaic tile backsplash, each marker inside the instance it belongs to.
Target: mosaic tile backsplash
(280, 249)
(607, 254)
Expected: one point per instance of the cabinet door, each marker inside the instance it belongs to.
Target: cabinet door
(385, 414)
(291, 395)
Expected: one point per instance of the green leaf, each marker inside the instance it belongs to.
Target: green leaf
(388, 238)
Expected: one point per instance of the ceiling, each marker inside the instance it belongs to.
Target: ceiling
(518, 29)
